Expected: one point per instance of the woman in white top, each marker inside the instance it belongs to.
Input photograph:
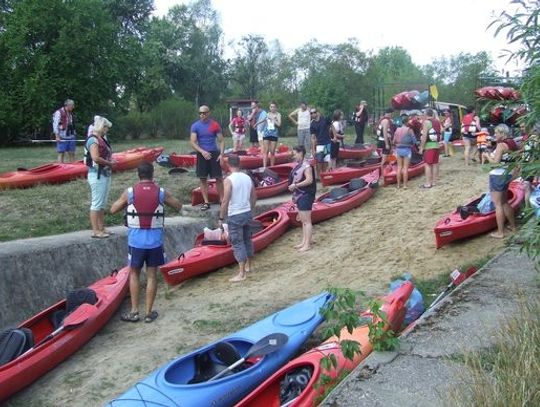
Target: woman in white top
(336, 135)
(271, 134)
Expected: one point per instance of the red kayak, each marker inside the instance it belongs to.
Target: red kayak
(253, 158)
(298, 383)
(453, 227)
(390, 172)
(342, 175)
(338, 200)
(263, 191)
(183, 160)
(28, 367)
(354, 153)
(53, 173)
(204, 258)
(129, 159)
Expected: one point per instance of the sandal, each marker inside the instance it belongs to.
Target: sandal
(424, 186)
(151, 317)
(100, 235)
(130, 317)
(205, 206)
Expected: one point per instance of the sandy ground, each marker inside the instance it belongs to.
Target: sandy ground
(390, 234)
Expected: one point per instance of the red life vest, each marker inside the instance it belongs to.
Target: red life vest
(145, 206)
(239, 125)
(468, 124)
(64, 119)
(391, 128)
(104, 149)
(512, 146)
(434, 133)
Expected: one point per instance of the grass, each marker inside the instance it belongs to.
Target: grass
(507, 374)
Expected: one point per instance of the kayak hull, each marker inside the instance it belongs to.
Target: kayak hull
(262, 192)
(341, 175)
(130, 159)
(205, 258)
(183, 160)
(451, 227)
(322, 211)
(168, 385)
(27, 368)
(269, 393)
(348, 153)
(390, 172)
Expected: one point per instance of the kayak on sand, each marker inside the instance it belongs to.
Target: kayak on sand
(187, 380)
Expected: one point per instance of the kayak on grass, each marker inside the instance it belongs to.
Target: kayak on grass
(456, 226)
(297, 384)
(183, 160)
(185, 381)
(209, 256)
(263, 189)
(355, 151)
(253, 159)
(35, 358)
(338, 200)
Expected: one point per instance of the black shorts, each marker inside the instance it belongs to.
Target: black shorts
(305, 202)
(270, 138)
(253, 136)
(208, 168)
(334, 150)
(382, 146)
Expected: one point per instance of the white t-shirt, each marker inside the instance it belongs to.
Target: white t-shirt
(240, 194)
(304, 119)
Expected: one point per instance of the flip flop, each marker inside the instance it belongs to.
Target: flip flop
(130, 317)
(205, 206)
(495, 236)
(151, 317)
(424, 186)
(101, 235)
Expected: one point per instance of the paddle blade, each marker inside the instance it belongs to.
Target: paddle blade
(268, 344)
(81, 314)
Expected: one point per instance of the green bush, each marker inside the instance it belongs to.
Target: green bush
(134, 125)
(172, 118)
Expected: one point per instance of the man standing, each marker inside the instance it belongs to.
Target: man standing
(204, 133)
(320, 140)
(64, 131)
(429, 145)
(301, 118)
(145, 218)
(360, 119)
(385, 133)
(253, 118)
(238, 202)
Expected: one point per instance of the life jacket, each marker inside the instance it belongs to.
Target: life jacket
(468, 124)
(512, 146)
(391, 127)
(145, 208)
(239, 125)
(105, 152)
(448, 121)
(434, 133)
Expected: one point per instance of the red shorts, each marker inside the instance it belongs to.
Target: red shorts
(431, 156)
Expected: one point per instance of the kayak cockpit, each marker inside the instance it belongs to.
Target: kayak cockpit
(200, 367)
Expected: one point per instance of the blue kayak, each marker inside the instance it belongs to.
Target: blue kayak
(534, 200)
(184, 381)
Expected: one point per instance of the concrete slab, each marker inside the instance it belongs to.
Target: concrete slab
(427, 365)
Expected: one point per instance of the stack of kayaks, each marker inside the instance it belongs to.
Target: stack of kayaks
(209, 256)
(23, 370)
(355, 152)
(339, 200)
(55, 173)
(410, 100)
(262, 191)
(454, 226)
(185, 381)
(298, 383)
(497, 93)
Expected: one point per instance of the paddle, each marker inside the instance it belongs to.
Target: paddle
(457, 278)
(266, 345)
(78, 317)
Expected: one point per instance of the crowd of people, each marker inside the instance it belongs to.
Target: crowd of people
(319, 140)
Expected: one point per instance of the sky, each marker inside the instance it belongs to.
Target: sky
(427, 29)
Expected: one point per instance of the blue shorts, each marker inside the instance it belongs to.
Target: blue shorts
(305, 202)
(152, 257)
(65, 146)
(404, 152)
(99, 189)
(499, 183)
(447, 135)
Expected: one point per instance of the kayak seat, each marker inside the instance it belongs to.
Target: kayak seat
(206, 242)
(357, 183)
(293, 384)
(14, 342)
(206, 368)
(338, 193)
(73, 300)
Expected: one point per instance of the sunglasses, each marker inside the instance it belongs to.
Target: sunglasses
(204, 112)
(312, 112)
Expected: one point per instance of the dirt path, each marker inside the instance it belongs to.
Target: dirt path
(390, 234)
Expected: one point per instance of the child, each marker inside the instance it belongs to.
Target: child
(482, 143)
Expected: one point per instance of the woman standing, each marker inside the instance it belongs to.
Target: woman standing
(271, 134)
(469, 126)
(302, 185)
(499, 179)
(237, 126)
(98, 159)
(360, 118)
(447, 131)
(336, 136)
(404, 141)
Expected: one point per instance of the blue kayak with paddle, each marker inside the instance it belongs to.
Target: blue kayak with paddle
(222, 373)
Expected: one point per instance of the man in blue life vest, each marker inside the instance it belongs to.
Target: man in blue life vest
(144, 203)
(64, 131)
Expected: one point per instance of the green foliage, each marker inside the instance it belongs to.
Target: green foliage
(341, 312)
(382, 339)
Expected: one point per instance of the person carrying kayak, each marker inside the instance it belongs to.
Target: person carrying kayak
(237, 205)
(145, 215)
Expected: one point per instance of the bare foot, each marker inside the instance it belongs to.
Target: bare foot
(304, 249)
(298, 246)
(237, 278)
(496, 235)
(510, 228)
(405, 187)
